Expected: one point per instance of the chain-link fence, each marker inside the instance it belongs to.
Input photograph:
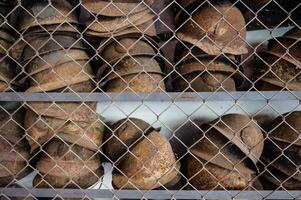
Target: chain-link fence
(177, 99)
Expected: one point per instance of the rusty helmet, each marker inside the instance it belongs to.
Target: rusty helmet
(14, 149)
(288, 49)
(117, 24)
(284, 157)
(287, 128)
(45, 14)
(61, 167)
(243, 132)
(216, 29)
(156, 164)
(128, 66)
(207, 176)
(128, 132)
(118, 8)
(207, 73)
(276, 178)
(138, 82)
(286, 74)
(148, 28)
(113, 50)
(216, 149)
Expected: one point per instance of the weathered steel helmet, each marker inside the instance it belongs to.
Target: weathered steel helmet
(216, 29)
(215, 148)
(287, 128)
(14, 150)
(243, 132)
(283, 58)
(128, 132)
(288, 49)
(155, 166)
(283, 157)
(207, 176)
(118, 8)
(207, 73)
(276, 178)
(112, 51)
(286, 74)
(61, 167)
(118, 24)
(58, 13)
(139, 82)
(128, 66)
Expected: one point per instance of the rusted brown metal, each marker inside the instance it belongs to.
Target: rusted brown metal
(276, 179)
(204, 82)
(185, 52)
(142, 82)
(60, 76)
(286, 48)
(57, 13)
(206, 64)
(209, 29)
(118, 8)
(116, 24)
(54, 59)
(7, 72)
(150, 164)
(284, 165)
(126, 133)
(206, 74)
(47, 44)
(216, 149)
(66, 110)
(128, 46)
(41, 129)
(124, 12)
(52, 29)
(148, 28)
(14, 149)
(285, 74)
(286, 129)
(283, 58)
(62, 168)
(128, 66)
(265, 86)
(8, 69)
(207, 176)
(71, 122)
(243, 132)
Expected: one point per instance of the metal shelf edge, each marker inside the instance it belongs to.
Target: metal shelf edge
(153, 194)
(172, 97)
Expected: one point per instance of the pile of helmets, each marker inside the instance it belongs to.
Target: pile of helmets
(119, 18)
(212, 40)
(55, 60)
(7, 39)
(142, 157)
(131, 64)
(280, 63)
(128, 53)
(225, 154)
(14, 149)
(281, 155)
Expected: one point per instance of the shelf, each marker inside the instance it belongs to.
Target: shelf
(167, 97)
(154, 194)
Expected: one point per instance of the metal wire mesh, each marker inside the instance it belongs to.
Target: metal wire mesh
(177, 99)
